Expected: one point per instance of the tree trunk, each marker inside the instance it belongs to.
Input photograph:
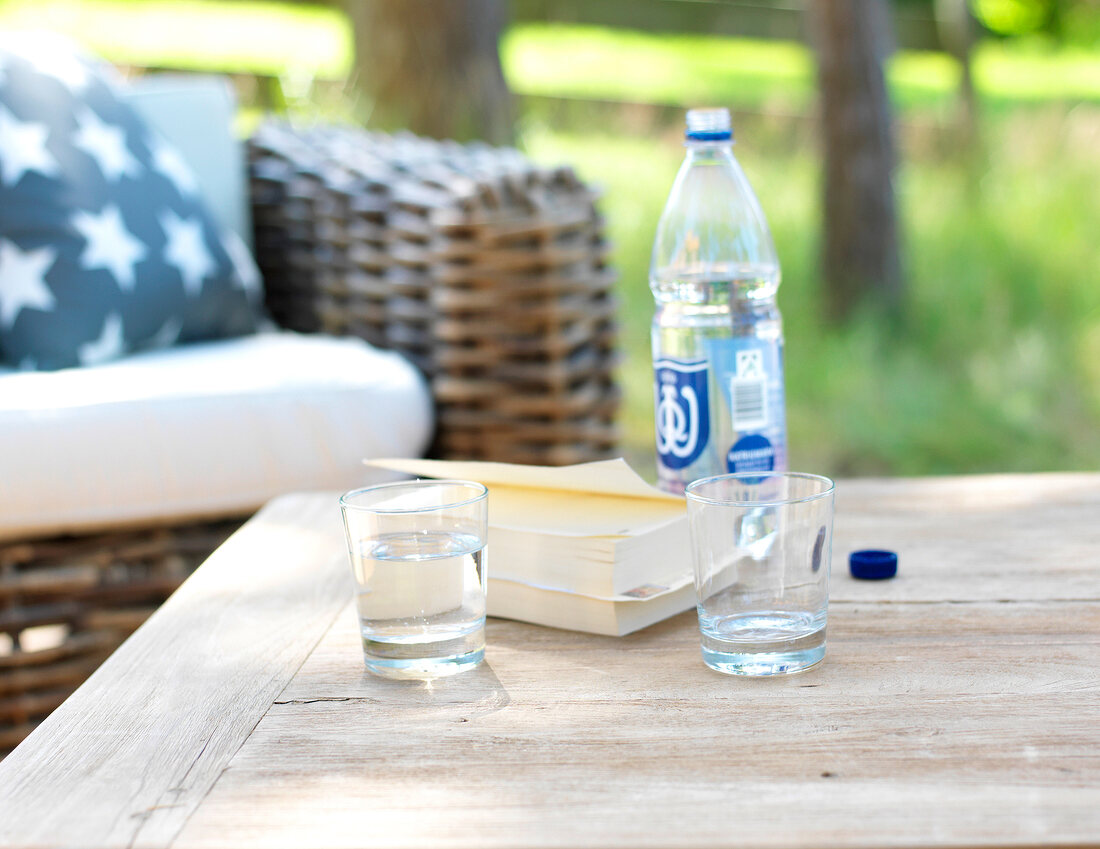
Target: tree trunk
(956, 28)
(861, 261)
(432, 67)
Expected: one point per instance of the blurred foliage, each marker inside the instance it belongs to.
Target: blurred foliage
(605, 64)
(1014, 17)
(995, 364)
(1066, 21)
(266, 37)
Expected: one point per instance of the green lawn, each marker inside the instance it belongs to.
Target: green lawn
(995, 364)
(304, 41)
(597, 63)
(240, 36)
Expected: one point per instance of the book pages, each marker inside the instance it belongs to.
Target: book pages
(607, 477)
(604, 498)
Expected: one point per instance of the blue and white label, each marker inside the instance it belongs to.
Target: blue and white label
(753, 453)
(750, 379)
(683, 411)
(748, 387)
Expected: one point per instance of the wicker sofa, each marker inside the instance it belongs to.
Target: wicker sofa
(485, 271)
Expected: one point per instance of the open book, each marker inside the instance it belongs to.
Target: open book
(590, 547)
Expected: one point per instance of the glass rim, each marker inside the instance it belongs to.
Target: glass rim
(754, 479)
(480, 493)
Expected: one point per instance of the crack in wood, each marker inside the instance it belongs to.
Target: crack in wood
(323, 699)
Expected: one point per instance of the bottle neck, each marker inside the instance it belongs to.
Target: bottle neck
(706, 152)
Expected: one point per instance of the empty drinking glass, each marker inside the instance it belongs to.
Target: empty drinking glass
(761, 546)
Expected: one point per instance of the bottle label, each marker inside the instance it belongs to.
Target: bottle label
(750, 374)
(752, 453)
(683, 411)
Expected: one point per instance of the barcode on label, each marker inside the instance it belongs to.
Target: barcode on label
(749, 399)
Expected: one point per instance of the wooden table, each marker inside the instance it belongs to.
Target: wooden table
(958, 705)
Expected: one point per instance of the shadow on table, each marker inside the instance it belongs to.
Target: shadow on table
(478, 691)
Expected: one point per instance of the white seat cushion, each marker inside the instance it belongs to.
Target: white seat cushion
(210, 429)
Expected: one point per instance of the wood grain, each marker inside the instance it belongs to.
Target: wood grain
(967, 539)
(133, 752)
(958, 705)
(927, 725)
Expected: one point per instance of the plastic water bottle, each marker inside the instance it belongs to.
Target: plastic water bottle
(717, 332)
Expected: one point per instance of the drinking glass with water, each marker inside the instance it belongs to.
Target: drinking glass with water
(761, 546)
(417, 552)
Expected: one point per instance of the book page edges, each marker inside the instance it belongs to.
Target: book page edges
(646, 592)
(605, 498)
(609, 617)
(600, 477)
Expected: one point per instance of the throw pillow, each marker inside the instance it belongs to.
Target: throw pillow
(105, 246)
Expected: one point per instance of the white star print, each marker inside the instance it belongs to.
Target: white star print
(23, 280)
(110, 344)
(168, 335)
(167, 161)
(60, 65)
(186, 250)
(110, 244)
(246, 273)
(50, 55)
(106, 144)
(23, 149)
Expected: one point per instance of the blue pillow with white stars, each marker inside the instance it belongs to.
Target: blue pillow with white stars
(105, 246)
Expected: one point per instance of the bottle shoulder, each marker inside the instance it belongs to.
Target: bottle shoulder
(712, 223)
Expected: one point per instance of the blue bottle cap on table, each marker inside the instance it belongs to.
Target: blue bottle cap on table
(873, 565)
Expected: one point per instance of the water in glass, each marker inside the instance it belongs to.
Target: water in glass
(421, 602)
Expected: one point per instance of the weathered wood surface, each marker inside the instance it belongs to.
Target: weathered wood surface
(129, 757)
(958, 705)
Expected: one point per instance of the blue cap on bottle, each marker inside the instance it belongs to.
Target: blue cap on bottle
(708, 125)
(873, 565)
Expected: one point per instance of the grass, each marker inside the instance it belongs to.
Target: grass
(296, 41)
(995, 364)
(235, 36)
(604, 64)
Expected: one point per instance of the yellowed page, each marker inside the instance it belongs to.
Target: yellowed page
(604, 498)
(609, 477)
